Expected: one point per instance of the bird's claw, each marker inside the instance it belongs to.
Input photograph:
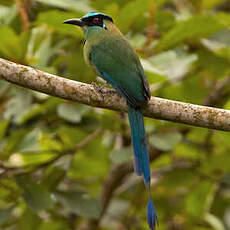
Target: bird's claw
(102, 89)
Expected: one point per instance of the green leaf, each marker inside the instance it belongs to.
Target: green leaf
(72, 112)
(10, 44)
(55, 224)
(121, 155)
(30, 158)
(216, 67)
(130, 12)
(49, 143)
(13, 141)
(165, 141)
(53, 177)
(198, 201)
(18, 106)
(226, 179)
(224, 18)
(7, 14)
(214, 221)
(3, 127)
(35, 195)
(39, 47)
(80, 203)
(70, 136)
(196, 27)
(173, 63)
(116, 210)
(54, 19)
(165, 20)
(30, 142)
(210, 4)
(29, 220)
(82, 6)
(41, 109)
(4, 215)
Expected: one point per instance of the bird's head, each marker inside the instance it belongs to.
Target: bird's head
(94, 21)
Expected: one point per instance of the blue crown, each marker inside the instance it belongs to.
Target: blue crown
(93, 14)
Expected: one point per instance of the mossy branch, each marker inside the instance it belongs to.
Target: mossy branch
(158, 108)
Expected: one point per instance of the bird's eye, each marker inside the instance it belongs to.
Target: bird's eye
(96, 21)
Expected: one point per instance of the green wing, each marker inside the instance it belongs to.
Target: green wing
(116, 61)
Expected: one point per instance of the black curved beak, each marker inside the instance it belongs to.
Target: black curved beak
(75, 21)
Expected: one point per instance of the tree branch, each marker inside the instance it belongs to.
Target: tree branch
(158, 108)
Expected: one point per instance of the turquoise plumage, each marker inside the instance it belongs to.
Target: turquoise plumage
(111, 56)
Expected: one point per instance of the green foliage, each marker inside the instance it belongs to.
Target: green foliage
(56, 156)
(36, 197)
(79, 203)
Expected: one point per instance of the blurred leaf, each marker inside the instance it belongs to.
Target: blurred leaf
(80, 203)
(30, 142)
(7, 14)
(174, 63)
(137, 41)
(186, 150)
(72, 112)
(55, 224)
(70, 136)
(121, 155)
(13, 141)
(40, 47)
(90, 162)
(30, 158)
(226, 179)
(54, 19)
(189, 29)
(214, 221)
(49, 143)
(210, 4)
(224, 18)
(53, 177)
(41, 109)
(4, 215)
(29, 220)
(11, 45)
(165, 141)
(198, 201)
(116, 210)
(69, 4)
(149, 67)
(216, 67)
(3, 127)
(17, 106)
(165, 20)
(130, 12)
(36, 196)
(217, 162)
(178, 179)
(112, 9)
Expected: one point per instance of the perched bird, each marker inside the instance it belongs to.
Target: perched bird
(112, 57)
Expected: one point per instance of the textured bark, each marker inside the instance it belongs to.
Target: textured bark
(158, 108)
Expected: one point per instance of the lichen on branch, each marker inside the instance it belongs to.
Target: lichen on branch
(158, 108)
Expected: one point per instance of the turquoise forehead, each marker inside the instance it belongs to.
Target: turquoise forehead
(92, 14)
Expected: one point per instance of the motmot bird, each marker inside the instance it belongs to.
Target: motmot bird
(112, 58)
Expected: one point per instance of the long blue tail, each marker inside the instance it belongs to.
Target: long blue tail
(152, 219)
(141, 157)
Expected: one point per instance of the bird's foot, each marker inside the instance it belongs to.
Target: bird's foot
(102, 88)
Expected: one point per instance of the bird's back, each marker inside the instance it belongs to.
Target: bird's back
(114, 59)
